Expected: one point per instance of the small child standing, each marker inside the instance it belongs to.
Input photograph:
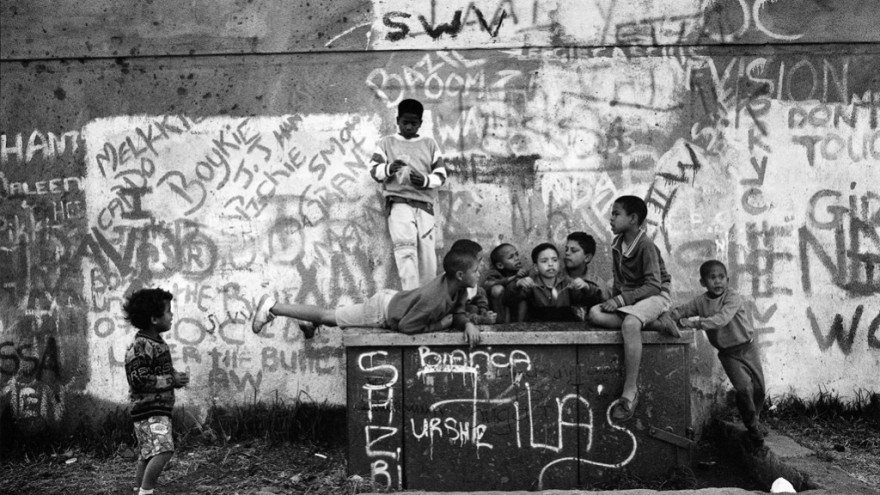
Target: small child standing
(410, 169)
(435, 306)
(152, 380)
(506, 268)
(721, 312)
(640, 293)
(551, 294)
(477, 306)
(580, 248)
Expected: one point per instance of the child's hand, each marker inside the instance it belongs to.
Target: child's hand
(471, 334)
(692, 322)
(395, 166)
(180, 378)
(522, 273)
(578, 284)
(490, 318)
(417, 179)
(525, 283)
(609, 306)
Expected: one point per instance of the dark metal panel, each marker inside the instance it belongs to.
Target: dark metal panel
(663, 403)
(490, 419)
(375, 414)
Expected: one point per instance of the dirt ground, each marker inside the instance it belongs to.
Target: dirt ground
(256, 467)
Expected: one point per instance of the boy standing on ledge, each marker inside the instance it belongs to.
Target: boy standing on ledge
(410, 169)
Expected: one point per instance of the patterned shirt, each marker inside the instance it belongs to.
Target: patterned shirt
(150, 375)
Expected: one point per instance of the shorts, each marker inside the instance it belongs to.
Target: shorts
(154, 436)
(650, 308)
(372, 313)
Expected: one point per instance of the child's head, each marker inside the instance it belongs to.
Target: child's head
(148, 309)
(545, 256)
(409, 117)
(713, 276)
(469, 246)
(462, 265)
(579, 250)
(627, 214)
(505, 258)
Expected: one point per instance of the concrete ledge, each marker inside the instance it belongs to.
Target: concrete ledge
(508, 334)
(787, 459)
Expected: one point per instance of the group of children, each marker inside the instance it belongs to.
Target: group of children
(410, 168)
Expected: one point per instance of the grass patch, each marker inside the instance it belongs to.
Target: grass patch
(301, 421)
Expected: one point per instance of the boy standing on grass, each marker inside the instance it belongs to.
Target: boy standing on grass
(410, 169)
(152, 380)
(640, 294)
(722, 314)
(433, 307)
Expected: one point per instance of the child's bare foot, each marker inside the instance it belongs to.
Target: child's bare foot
(262, 316)
(307, 328)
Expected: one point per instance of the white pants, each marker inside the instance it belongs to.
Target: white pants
(412, 238)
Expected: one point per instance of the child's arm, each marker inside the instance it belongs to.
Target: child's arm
(139, 372)
(380, 169)
(650, 266)
(685, 310)
(731, 305)
(437, 177)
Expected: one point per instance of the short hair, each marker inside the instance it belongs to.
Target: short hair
(410, 106)
(708, 265)
(458, 261)
(467, 246)
(634, 205)
(543, 247)
(495, 255)
(586, 241)
(143, 305)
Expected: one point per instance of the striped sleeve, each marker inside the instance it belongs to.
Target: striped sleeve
(379, 164)
(437, 177)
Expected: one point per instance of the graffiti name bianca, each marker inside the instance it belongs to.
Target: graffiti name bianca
(459, 361)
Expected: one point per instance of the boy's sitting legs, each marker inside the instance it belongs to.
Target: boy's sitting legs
(496, 296)
(631, 328)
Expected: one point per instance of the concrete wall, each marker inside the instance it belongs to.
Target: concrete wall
(219, 151)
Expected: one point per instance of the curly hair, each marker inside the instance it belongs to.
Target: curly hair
(143, 305)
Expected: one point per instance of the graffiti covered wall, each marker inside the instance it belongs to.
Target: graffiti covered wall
(241, 168)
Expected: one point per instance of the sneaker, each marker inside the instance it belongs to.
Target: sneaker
(307, 328)
(623, 409)
(668, 326)
(262, 316)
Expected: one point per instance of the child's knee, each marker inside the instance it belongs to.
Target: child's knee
(496, 291)
(631, 324)
(595, 314)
